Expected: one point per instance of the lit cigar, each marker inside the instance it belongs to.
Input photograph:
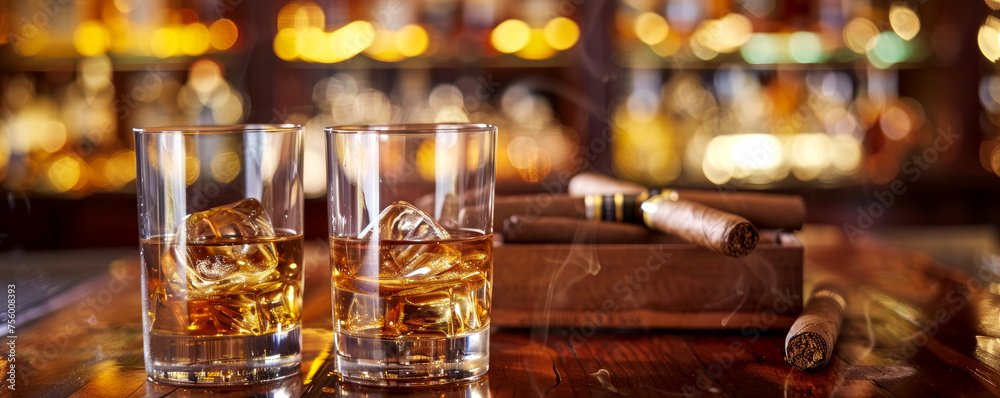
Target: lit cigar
(717, 230)
(714, 229)
(763, 210)
(810, 341)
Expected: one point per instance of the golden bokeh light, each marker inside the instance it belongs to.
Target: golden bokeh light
(425, 159)
(702, 51)
(537, 47)
(314, 44)
(651, 28)
(860, 35)
(644, 147)
(164, 42)
(120, 31)
(993, 4)
(989, 38)
(225, 166)
(724, 35)
(411, 40)
(53, 137)
(309, 15)
(205, 75)
(287, 44)
(194, 39)
(31, 44)
(97, 174)
(123, 163)
(4, 151)
(810, 154)
(668, 46)
(192, 168)
(91, 38)
(65, 172)
(561, 33)
(847, 153)
(510, 36)
(904, 21)
(351, 40)
(531, 162)
(223, 34)
(383, 46)
(286, 16)
(756, 158)
(451, 114)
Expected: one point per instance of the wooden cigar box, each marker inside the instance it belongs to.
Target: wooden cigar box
(668, 284)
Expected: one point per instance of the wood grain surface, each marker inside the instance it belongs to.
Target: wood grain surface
(915, 328)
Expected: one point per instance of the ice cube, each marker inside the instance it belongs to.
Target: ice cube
(224, 253)
(404, 223)
(243, 219)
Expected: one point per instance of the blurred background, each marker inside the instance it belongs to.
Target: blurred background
(850, 103)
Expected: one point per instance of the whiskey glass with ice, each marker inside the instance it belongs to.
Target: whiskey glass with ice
(220, 225)
(411, 237)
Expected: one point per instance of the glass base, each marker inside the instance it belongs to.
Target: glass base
(222, 361)
(412, 362)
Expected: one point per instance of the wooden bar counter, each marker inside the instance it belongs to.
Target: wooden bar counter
(914, 326)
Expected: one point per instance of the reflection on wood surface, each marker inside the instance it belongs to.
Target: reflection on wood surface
(914, 327)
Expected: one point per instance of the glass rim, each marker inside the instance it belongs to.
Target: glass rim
(410, 128)
(219, 129)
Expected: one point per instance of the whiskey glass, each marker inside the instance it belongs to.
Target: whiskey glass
(220, 228)
(411, 237)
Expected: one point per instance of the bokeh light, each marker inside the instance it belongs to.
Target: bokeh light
(223, 34)
(724, 35)
(561, 33)
(510, 36)
(762, 48)
(65, 172)
(33, 42)
(889, 49)
(91, 38)
(805, 47)
(651, 28)
(989, 38)
(121, 35)
(192, 169)
(225, 166)
(194, 39)
(351, 39)
(756, 158)
(904, 21)
(164, 42)
(860, 35)
(287, 44)
(537, 47)
(411, 40)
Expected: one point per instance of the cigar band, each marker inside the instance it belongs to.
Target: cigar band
(831, 295)
(619, 204)
(594, 206)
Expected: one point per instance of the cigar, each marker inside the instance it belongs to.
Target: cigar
(710, 228)
(809, 344)
(714, 229)
(763, 210)
(548, 229)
